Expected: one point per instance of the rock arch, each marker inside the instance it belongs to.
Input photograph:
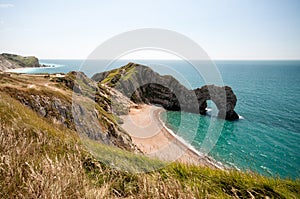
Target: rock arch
(143, 85)
(223, 97)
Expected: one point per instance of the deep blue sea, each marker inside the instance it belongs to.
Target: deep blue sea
(266, 140)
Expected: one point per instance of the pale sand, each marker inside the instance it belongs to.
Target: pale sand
(17, 70)
(151, 136)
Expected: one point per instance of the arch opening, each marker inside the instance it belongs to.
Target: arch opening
(211, 109)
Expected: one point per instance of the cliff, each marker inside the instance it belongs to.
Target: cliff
(92, 108)
(11, 61)
(142, 85)
(51, 96)
(40, 159)
(42, 156)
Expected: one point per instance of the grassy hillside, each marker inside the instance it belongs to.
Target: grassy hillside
(21, 61)
(39, 159)
(52, 97)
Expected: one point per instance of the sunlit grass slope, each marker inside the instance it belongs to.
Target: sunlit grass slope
(41, 160)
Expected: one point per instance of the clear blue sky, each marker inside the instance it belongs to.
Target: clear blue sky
(226, 29)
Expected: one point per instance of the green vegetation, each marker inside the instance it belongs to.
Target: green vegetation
(122, 160)
(129, 72)
(42, 159)
(22, 61)
(39, 159)
(114, 75)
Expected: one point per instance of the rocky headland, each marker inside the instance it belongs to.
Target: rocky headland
(12, 61)
(142, 85)
(48, 121)
(70, 99)
(60, 98)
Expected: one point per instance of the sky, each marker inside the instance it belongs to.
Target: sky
(225, 29)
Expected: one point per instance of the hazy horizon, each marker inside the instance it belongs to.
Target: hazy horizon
(225, 29)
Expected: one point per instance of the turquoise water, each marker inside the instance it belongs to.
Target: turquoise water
(267, 140)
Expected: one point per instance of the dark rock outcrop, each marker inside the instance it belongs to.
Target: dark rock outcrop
(223, 97)
(48, 104)
(74, 110)
(11, 61)
(71, 80)
(142, 85)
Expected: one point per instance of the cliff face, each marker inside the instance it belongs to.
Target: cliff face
(52, 97)
(142, 85)
(91, 108)
(11, 61)
(223, 97)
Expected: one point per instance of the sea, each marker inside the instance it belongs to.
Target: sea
(266, 138)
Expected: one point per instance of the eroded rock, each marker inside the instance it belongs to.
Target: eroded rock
(142, 85)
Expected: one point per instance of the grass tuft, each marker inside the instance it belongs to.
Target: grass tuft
(41, 160)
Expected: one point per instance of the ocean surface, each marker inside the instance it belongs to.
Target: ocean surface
(267, 137)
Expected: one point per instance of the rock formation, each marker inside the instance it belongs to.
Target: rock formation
(11, 61)
(223, 97)
(86, 111)
(142, 85)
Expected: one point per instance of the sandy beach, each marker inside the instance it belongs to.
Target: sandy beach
(23, 69)
(152, 137)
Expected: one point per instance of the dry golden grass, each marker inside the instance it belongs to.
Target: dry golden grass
(37, 160)
(41, 160)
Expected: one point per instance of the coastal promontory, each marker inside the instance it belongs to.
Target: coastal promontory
(12, 61)
(143, 85)
(67, 136)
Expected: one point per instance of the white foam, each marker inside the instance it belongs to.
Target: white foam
(217, 164)
(209, 113)
(30, 69)
(50, 65)
(208, 109)
(266, 169)
(234, 166)
(263, 155)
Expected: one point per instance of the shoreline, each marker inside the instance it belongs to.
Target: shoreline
(155, 139)
(215, 163)
(20, 70)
